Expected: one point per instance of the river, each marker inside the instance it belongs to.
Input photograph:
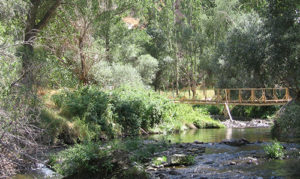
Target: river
(220, 160)
(224, 161)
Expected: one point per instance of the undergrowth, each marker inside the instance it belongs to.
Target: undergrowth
(89, 113)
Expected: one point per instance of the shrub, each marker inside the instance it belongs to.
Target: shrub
(82, 158)
(159, 160)
(141, 152)
(115, 159)
(287, 123)
(147, 67)
(124, 110)
(139, 108)
(197, 116)
(95, 114)
(274, 151)
(116, 75)
(254, 111)
(188, 160)
(214, 110)
(211, 109)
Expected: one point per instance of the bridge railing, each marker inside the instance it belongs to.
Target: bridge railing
(236, 95)
(253, 95)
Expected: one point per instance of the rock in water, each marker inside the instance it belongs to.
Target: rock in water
(235, 142)
(178, 159)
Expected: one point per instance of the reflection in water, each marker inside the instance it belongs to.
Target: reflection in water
(229, 133)
(214, 162)
(217, 135)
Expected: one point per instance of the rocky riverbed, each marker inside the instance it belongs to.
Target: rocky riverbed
(227, 159)
(254, 123)
(224, 153)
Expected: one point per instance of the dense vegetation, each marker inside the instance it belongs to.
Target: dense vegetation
(89, 114)
(64, 65)
(121, 159)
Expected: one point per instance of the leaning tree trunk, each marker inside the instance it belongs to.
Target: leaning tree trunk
(33, 25)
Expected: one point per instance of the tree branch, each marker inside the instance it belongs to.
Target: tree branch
(48, 15)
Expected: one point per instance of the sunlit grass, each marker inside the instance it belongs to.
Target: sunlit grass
(184, 94)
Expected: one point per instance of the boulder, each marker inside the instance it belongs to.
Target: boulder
(179, 159)
(235, 142)
(198, 142)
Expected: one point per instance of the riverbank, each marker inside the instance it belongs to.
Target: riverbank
(91, 114)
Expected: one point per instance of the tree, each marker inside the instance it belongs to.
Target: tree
(38, 17)
(283, 28)
(240, 60)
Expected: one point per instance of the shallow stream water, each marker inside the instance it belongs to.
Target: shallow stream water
(218, 158)
(217, 135)
(224, 161)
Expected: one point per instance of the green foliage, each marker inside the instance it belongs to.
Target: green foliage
(147, 67)
(61, 130)
(274, 151)
(211, 109)
(188, 160)
(287, 123)
(82, 158)
(241, 54)
(139, 108)
(124, 111)
(116, 75)
(142, 152)
(262, 112)
(159, 160)
(183, 115)
(58, 99)
(92, 107)
(102, 161)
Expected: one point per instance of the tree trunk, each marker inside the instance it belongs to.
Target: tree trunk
(297, 100)
(83, 73)
(27, 55)
(177, 77)
(31, 30)
(194, 88)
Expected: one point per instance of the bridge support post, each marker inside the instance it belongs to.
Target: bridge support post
(227, 111)
(287, 94)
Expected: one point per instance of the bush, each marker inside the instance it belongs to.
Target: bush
(123, 111)
(189, 160)
(183, 115)
(61, 130)
(139, 108)
(147, 67)
(116, 75)
(274, 151)
(287, 123)
(116, 159)
(82, 159)
(254, 111)
(211, 109)
(95, 114)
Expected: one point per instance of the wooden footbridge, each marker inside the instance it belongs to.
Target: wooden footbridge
(237, 96)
